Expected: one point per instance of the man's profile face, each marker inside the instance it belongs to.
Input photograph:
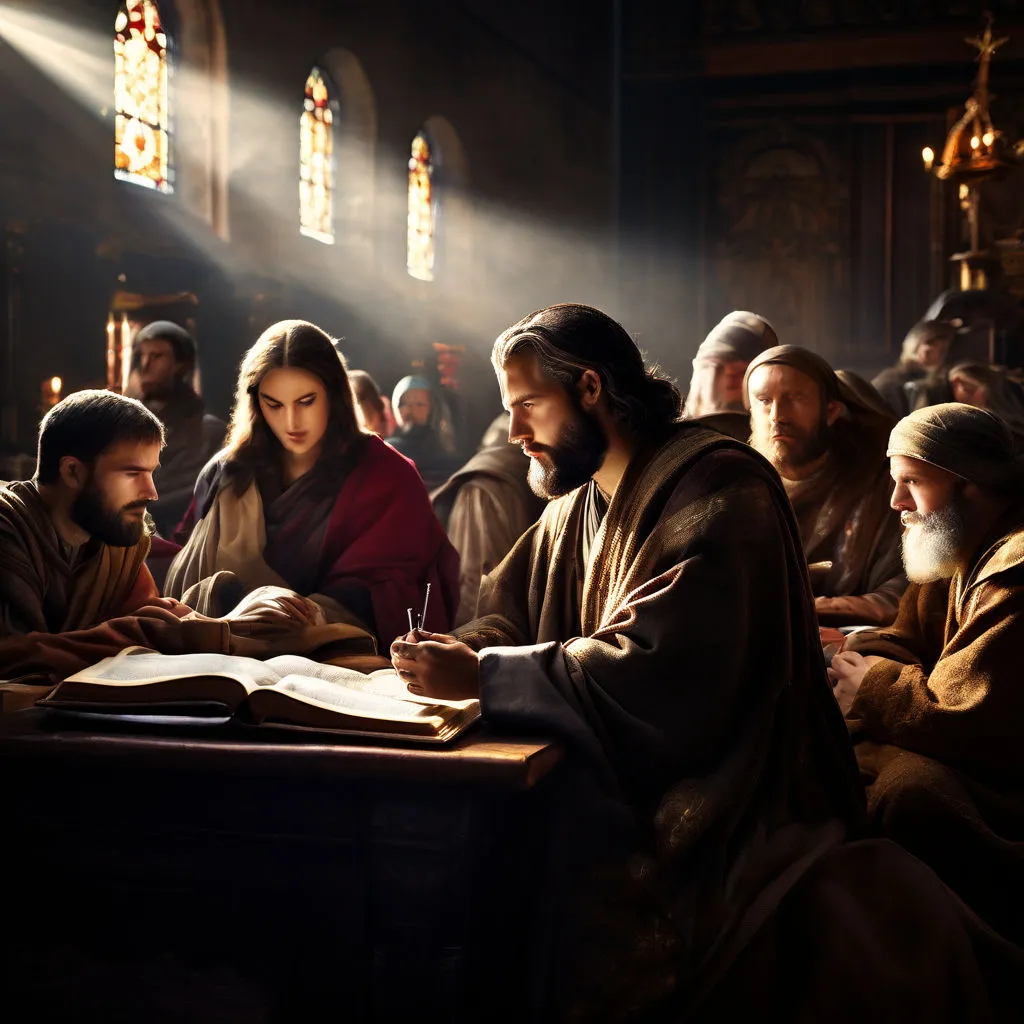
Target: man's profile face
(932, 508)
(566, 445)
(157, 367)
(789, 419)
(112, 503)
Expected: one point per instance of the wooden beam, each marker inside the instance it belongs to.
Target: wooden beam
(744, 58)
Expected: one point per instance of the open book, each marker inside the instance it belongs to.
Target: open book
(286, 690)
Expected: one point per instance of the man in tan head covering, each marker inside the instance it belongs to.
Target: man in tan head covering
(936, 701)
(716, 387)
(825, 434)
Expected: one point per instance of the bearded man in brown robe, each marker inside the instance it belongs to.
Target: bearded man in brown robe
(75, 587)
(657, 621)
(825, 434)
(935, 701)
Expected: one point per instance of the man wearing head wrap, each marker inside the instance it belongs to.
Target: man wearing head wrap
(423, 432)
(935, 702)
(990, 387)
(656, 620)
(918, 377)
(164, 363)
(825, 434)
(716, 387)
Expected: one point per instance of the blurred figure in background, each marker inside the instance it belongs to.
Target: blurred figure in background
(485, 508)
(989, 387)
(918, 378)
(423, 434)
(164, 360)
(716, 387)
(369, 404)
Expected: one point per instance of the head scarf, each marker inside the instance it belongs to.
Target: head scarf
(969, 442)
(1003, 395)
(862, 401)
(738, 337)
(410, 383)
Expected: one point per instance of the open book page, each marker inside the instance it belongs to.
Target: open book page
(384, 682)
(355, 702)
(138, 666)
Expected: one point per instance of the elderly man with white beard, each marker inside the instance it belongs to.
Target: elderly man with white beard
(935, 702)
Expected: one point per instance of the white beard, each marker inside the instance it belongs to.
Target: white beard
(933, 543)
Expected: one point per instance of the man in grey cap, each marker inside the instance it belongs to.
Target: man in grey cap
(935, 701)
(716, 387)
(164, 361)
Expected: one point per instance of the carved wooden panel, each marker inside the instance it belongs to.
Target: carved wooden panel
(777, 238)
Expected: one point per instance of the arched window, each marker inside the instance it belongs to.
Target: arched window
(142, 116)
(421, 248)
(316, 159)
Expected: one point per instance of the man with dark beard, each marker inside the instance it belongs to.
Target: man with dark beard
(74, 540)
(935, 702)
(656, 621)
(825, 434)
(164, 358)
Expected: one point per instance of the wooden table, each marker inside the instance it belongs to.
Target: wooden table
(379, 882)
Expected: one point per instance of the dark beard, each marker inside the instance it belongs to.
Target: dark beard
(91, 513)
(572, 460)
(807, 447)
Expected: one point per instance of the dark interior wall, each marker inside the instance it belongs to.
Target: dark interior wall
(771, 159)
(522, 222)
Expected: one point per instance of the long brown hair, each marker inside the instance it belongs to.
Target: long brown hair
(303, 346)
(569, 339)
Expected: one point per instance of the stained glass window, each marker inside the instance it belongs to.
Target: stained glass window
(142, 117)
(316, 159)
(422, 211)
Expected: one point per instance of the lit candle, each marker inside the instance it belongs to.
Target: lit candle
(988, 138)
(126, 351)
(111, 354)
(975, 142)
(928, 156)
(56, 386)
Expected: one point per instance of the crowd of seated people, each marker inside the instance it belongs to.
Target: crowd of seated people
(774, 627)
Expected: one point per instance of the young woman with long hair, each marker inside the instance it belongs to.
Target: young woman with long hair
(303, 501)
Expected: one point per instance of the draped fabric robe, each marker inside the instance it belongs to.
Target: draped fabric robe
(681, 667)
(485, 508)
(936, 727)
(40, 591)
(359, 537)
(57, 618)
(844, 518)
